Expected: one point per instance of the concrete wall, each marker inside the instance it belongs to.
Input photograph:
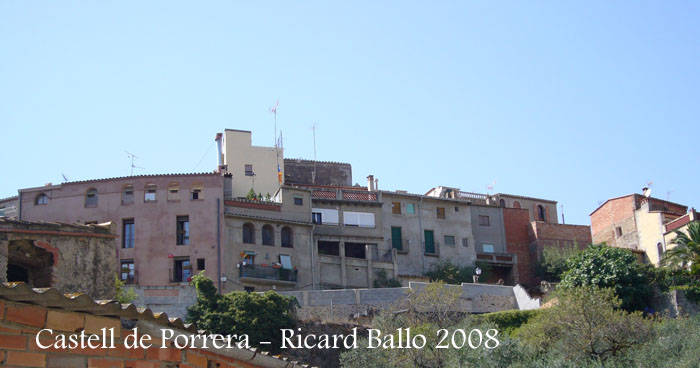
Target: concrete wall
(494, 233)
(172, 300)
(155, 222)
(412, 259)
(298, 171)
(238, 151)
(70, 258)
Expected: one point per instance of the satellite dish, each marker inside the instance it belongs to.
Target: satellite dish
(646, 191)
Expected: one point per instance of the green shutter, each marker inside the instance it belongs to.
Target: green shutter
(396, 240)
(429, 242)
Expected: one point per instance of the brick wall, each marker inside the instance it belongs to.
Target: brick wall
(618, 212)
(18, 347)
(516, 222)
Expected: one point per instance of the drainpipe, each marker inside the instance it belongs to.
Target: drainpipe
(420, 228)
(313, 263)
(19, 205)
(218, 242)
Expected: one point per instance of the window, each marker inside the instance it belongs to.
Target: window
(541, 214)
(298, 200)
(360, 219)
(450, 240)
(183, 230)
(268, 235)
(249, 258)
(91, 198)
(286, 261)
(128, 235)
(618, 231)
(328, 248)
(488, 248)
(173, 192)
(465, 242)
(410, 208)
(456, 209)
(249, 289)
(128, 194)
(248, 233)
(196, 194)
(429, 242)
(396, 238)
(324, 216)
(355, 250)
(484, 220)
(200, 264)
(183, 270)
(41, 199)
(516, 204)
(287, 237)
(441, 213)
(249, 170)
(502, 202)
(150, 194)
(396, 208)
(127, 271)
(660, 249)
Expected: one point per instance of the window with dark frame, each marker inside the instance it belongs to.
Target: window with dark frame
(618, 231)
(396, 208)
(248, 233)
(449, 240)
(316, 218)
(128, 195)
(465, 242)
(183, 270)
(41, 199)
(128, 235)
(196, 194)
(541, 213)
(328, 248)
(249, 170)
(150, 194)
(484, 220)
(287, 237)
(91, 198)
(298, 200)
(183, 230)
(127, 271)
(268, 235)
(441, 213)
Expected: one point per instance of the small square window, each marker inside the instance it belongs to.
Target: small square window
(249, 170)
(488, 248)
(298, 200)
(484, 220)
(249, 289)
(150, 194)
(465, 242)
(456, 209)
(410, 208)
(196, 194)
(396, 208)
(450, 240)
(441, 213)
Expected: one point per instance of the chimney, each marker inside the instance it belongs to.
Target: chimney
(370, 183)
(218, 139)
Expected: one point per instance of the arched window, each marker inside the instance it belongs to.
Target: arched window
(287, 237)
(149, 195)
(91, 198)
(541, 214)
(248, 233)
(41, 199)
(660, 249)
(516, 204)
(128, 194)
(503, 202)
(268, 235)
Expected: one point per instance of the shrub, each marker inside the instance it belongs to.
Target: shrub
(553, 262)
(382, 281)
(607, 267)
(508, 321)
(123, 294)
(450, 273)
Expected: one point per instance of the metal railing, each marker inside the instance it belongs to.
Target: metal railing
(344, 194)
(403, 244)
(495, 257)
(436, 249)
(267, 273)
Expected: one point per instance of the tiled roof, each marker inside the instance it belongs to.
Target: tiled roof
(320, 162)
(129, 177)
(9, 198)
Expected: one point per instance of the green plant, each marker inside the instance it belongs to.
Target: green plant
(383, 281)
(450, 273)
(251, 195)
(552, 264)
(508, 321)
(260, 316)
(692, 292)
(123, 294)
(607, 267)
(686, 250)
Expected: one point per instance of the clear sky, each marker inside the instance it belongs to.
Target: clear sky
(572, 101)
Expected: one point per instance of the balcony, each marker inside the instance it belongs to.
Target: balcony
(401, 245)
(344, 194)
(267, 274)
(504, 259)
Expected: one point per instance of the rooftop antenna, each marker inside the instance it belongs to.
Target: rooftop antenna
(313, 175)
(490, 186)
(133, 156)
(668, 194)
(277, 142)
(65, 180)
(563, 221)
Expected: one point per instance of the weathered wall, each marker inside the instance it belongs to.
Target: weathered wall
(173, 300)
(298, 171)
(70, 258)
(516, 222)
(530, 204)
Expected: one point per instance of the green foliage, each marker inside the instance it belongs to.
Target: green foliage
(586, 324)
(260, 316)
(607, 267)
(450, 273)
(123, 294)
(508, 321)
(251, 195)
(677, 344)
(686, 251)
(666, 278)
(553, 262)
(383, 281)
(692, 292)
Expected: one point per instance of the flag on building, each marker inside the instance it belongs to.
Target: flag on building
(279, 174)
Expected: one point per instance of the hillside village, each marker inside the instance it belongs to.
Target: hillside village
(259, 221)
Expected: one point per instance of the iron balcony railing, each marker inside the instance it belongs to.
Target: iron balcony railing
(344, 194)
(267, 273)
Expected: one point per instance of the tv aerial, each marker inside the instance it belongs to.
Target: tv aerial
(133, 166)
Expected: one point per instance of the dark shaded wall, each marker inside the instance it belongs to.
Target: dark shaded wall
(297, 171)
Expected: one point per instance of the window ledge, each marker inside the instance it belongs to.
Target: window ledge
(432, 254)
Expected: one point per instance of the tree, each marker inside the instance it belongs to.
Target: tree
(123, 294)
(450, 273)
(553, 262)
(251, 195)
(586, 324)
(260, 316)
(686, 252)
(607, 267)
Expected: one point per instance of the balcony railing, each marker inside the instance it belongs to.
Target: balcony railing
(268, 273)
(502, 258)
(344, 194)
(401, 245)
(435, 250)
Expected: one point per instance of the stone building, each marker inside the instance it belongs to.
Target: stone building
(71, 258)
(635, 222)
(539, 209)
(300, 171)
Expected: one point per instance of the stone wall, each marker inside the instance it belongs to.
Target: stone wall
(172, 300)
(298, 171)
(674, 303)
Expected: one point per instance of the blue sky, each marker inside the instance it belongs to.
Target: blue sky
(573, 101)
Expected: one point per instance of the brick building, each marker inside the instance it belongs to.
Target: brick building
(24, 312)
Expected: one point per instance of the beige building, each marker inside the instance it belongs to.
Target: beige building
(251, 166)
